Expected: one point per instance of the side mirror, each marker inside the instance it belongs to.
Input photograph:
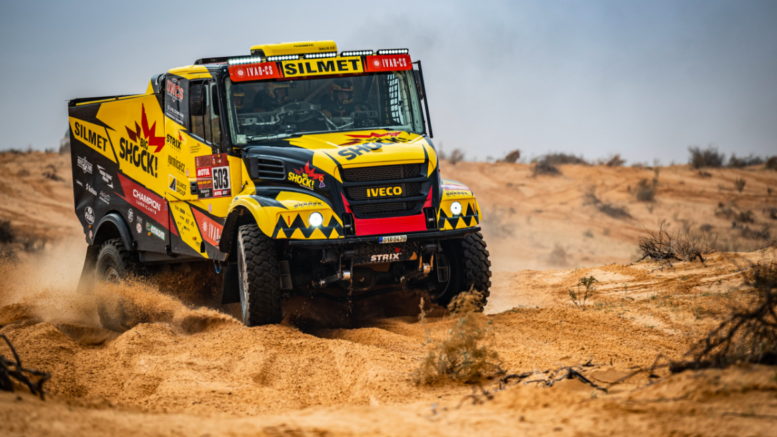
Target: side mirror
(196, 100)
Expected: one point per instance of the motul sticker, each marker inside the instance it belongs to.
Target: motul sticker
(388, 63)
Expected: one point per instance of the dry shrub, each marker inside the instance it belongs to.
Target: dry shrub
(735, 162)
(580, 297)
(646, 191)
(464, 354)
(740, 184)
(709, 157)
(51, 173)
(456, 156)
(683, 245)
(749, 335)
(7, 233)
(496, 222)
(563, 158)
(544, 167)
(512, 157)
(752, 234)
(771, 163)
(610, 209)
(614, 161)
(730, 212)
(558, 256)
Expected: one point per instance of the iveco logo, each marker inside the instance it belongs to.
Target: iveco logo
(384, 192)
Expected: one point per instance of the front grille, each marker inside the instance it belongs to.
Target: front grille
(381, 173)
(270, 169)
(383, 208)
(362, 193)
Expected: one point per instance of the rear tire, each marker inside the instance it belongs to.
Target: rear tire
(470, 268)
(258, 277)
(115, 264)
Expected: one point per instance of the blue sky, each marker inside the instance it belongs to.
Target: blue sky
(643, 79)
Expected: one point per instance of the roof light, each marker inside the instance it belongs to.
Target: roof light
(282, 58)
(356, 53)
(393, 52)
(320, 55)
(245, 60)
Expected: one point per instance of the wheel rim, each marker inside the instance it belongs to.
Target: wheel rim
(243, 281)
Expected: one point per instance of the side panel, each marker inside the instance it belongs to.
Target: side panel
(118, 151)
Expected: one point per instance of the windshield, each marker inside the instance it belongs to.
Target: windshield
(278, 109)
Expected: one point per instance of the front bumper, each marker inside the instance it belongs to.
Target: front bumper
(415, 236)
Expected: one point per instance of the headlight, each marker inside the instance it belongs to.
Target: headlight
(455, 208)
(316, 219)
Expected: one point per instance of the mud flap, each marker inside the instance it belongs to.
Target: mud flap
(86, 281)
(231, 287)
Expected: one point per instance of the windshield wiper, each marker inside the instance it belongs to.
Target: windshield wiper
(270, 137)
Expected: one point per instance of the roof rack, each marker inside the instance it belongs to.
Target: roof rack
(216, 60)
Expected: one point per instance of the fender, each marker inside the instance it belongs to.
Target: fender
(121, 225)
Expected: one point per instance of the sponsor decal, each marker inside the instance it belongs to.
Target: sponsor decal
(369, 143)
(176, 164)
(175, 185)
(139, 227)
(130, 215)
(108, 179)
(209, 228)
(213, 176)
(318, 67)
(90, 234)
(458, 194)
(174, 89)
(187, 172)
(105, 197)
(306, 177)
(306, 204)
(89, 215)
(87, 135)
(392, 239)
(153, 230)
(386, 257)
(144, 200)
(454, 186)
(145, 134)
(80, 183)
(264, 70)
(91, 189)
(388, 63)
(210, 208)
(176, 143)
(384, 191)
(85, 165)
(174, 114)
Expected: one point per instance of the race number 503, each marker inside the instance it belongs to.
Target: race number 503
(221, 178)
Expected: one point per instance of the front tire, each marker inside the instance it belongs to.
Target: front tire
(258, 277)
(470, 269)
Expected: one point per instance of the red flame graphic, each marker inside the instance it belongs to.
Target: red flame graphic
(311, 172)
(148, 133)
(358, 139)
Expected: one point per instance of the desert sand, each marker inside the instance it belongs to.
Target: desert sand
(197, 371)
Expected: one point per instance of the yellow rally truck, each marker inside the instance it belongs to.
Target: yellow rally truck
(293, 171)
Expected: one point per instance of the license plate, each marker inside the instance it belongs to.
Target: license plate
(392, 239)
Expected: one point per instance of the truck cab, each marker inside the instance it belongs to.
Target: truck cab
(294, 170)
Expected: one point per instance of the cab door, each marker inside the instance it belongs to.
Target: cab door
(199, 174)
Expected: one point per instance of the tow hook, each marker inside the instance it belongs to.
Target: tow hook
(344, 275)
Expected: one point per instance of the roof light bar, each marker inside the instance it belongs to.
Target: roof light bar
(393, 52)
(245, 60)
(357, 53)
(321, 55)
(282, 58)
